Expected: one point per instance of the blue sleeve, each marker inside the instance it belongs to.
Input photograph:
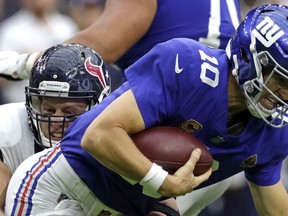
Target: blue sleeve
(265, 176)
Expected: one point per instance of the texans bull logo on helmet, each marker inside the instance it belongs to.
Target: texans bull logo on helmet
(95, 70)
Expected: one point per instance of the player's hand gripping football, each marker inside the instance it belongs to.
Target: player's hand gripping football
(183, 180)
(16, 66)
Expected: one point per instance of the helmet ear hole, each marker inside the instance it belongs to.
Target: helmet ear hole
(83, 56)
(267, 70)
(265, 11)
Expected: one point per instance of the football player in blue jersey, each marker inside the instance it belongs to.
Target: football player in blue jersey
(235, 101)
(122, 39)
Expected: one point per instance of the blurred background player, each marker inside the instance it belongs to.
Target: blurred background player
(68, 80)
(122, 39)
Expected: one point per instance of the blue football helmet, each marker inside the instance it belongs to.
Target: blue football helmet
(260, 42)
(68, 71)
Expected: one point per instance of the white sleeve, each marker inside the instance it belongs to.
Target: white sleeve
(66, 207)
(10, 123)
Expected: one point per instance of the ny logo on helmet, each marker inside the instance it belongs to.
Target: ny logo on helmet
(267, 32)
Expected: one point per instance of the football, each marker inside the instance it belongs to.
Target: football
(170, 148)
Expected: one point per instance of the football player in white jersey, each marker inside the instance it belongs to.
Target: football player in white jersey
(72, 78)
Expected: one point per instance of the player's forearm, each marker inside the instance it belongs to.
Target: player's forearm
(121, 156)
(108, 141)
(5, 176)
(117, 152)
(270, 200)
(114, 32)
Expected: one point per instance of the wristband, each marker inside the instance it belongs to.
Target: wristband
(153, 180)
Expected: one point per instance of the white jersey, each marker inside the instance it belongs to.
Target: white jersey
(17, 144)
(17, 141)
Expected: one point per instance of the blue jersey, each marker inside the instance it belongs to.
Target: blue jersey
(188, 89)
(209, 21)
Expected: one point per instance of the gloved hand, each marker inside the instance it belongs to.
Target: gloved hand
(16, 66)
